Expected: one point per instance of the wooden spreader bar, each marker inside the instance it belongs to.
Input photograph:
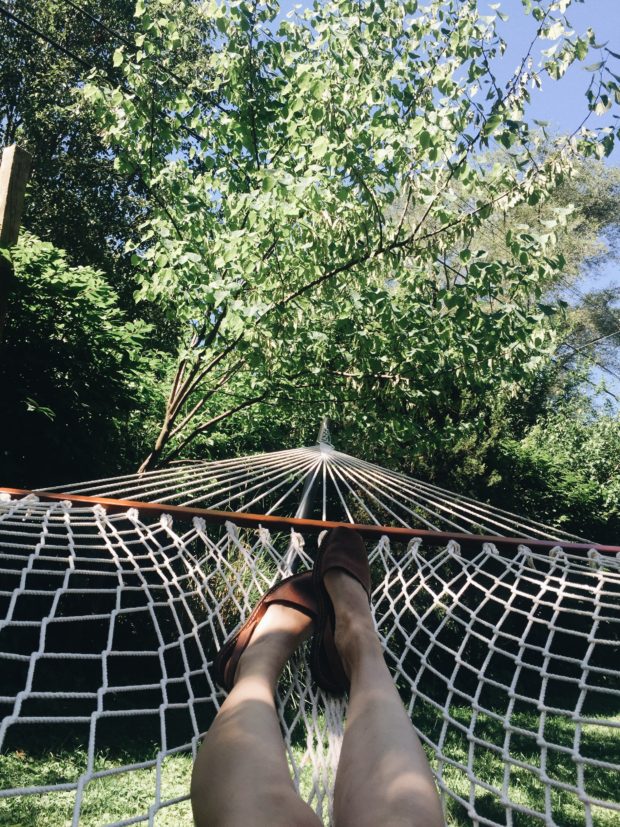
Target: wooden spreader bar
(467, 542)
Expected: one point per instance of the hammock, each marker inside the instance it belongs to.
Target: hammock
(505, 650)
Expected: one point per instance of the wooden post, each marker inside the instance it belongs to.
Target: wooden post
(14, 173)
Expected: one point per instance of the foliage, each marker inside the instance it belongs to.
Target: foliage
(582, 212)
(592, 231)
(277, 240)
(587, 238)
(75, 199)
(550, 457)
(592, 337)
(577, 455)
(332, 215)
(75, 374)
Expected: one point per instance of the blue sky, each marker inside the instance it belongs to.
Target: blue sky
(562, 102)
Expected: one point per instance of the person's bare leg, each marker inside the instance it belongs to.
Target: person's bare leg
(241, 776)
(383, 776)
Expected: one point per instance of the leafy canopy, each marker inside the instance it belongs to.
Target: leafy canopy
(76, 376)
(315, 190)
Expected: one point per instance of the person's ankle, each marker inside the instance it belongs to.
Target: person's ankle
(347, 594)
(253, 665)
(355, 637)
(264, 658)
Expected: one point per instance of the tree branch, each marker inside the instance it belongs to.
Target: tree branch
(220, 384)
(206, 425)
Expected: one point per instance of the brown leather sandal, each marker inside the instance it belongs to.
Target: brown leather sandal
(343, 548)
(296, 591)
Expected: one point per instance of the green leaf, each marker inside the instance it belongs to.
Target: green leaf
(117, 57)
(491, 124)
(34, 407)
(320, 147)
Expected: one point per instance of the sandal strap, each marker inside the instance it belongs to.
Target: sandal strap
(296, 591)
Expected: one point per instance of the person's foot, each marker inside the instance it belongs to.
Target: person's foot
(354, 630)
(278, 634)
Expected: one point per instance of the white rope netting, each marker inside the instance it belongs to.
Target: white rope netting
(508, 664)
(318, 482)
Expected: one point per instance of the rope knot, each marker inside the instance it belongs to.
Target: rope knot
(383, 546)
(232, 531)
(558, 554)
(264, 535)
(297, 541)
(453, 548)
(413, 546)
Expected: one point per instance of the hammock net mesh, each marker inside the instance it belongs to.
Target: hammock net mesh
(508, 664)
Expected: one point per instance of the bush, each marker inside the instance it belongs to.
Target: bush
(564, 471)
(77, 380)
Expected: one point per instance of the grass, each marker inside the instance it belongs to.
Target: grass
(105, 800)
(123, 795)
(525, 787)
(108, 799)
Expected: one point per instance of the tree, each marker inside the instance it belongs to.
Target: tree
(76, 199)
(564, 471)
(584, 214)
(275, 238)
(77, 380)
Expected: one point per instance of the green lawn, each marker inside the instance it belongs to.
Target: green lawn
(115, 797)
(108, 799)
(105, 800)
